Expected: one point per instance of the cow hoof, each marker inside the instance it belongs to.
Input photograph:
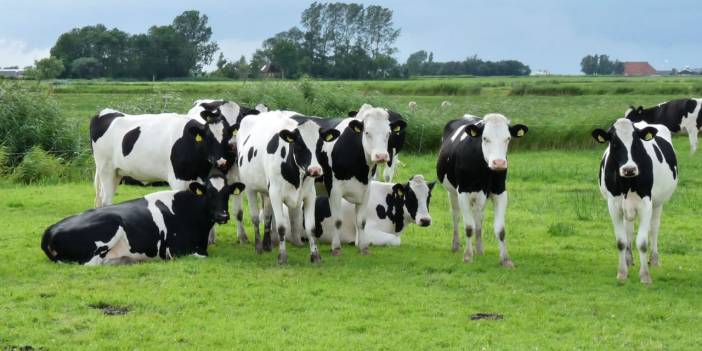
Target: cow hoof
(267, 248)
(315, 257)
(455, 247)
(621, 276)
(646, 278)
(283, 258)
(364, 251)
(243, 240)
(259, 247)
(467, 259)
(507, 263)
(336, 252)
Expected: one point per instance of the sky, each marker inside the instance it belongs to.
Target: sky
(544, 34)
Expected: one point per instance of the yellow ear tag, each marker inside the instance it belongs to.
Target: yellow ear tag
(356, 129)
(198, 138)
(648, 136)
(198, 192)
(473, 133)
(396, 129)
(399, 192)
(600, 139)
(237, 191)
(289, 139)
(328, 137)
(520, 132)
(235, 131)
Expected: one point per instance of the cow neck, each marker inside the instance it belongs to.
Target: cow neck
(289, 169)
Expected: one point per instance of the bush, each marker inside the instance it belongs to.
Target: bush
(32, 118)
(38, 166)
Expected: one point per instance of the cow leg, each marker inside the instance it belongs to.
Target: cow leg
(98, 190)
(255, 220)
(308, 207)
(389, 171)
(296, 219)
(108, 185)
(102, 250)
(268, 225)
(617, 215)
(282, 223)
(465, 206)
(335, 209)
(361, 240)
(455, 216)
(477, 211)
(692, 135)
(655, 225)
(240, 231)
(500, 204)
(645, 216)
(629, 229)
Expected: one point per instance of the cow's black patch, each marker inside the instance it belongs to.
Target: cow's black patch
(282, 152)
(668, 154)
(247, 139)
(255, 152)
(272, 146)
(393, 210)
(659, 155)
(348, 159)
(250, 153)
(322, 211)
(129, 140)
(99, 124)
(189, 157)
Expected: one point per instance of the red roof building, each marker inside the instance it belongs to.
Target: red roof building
(638, 69)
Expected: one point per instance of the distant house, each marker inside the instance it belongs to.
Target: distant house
(11, 72)
(541, 72)
(687, 71)
(270, 71)
(638, 69)
(665, 72)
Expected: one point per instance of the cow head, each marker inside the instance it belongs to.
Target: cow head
(625, 141)
(635, 114)
(375, 128)
(417, 196)
(212, 139)
(495, 133)
(232, 112)
(304, 148)
(215, 194)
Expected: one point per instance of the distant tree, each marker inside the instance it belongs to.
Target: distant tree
(618, 67)
(86, 68)
(110, 47)
(600, 64)
(415, 61)
(193, 27)
(588, 64)
(242, 68)
(47, 68)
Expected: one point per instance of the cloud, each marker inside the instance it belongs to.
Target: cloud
(18, 53)
(233, 48)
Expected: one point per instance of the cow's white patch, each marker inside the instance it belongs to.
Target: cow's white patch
(217, 183)
(624, 129)
(217, 130)
(376, 132)
(496, 137)
(166, 197)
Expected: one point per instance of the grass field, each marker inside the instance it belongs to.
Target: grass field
(563, 293)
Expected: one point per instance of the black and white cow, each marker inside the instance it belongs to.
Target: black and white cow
(638, 174)
(164, 224)
(233, 113)
(395, 144)
(348, 163)
(391, 208)
(472, 166)
(278, 158)
(677, 115)
(163, 147)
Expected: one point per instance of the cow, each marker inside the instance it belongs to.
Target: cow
(395, 144)
(163, 147)
(233, 113)
(391, 208)
(638, 175)
(348, 162)
(677, 115)
(472, 167)
(278, 158)
(164, 224)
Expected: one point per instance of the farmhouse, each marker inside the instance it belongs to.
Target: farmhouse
(11, 72)
(638, 69)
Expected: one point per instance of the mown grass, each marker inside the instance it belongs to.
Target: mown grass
(562, 295)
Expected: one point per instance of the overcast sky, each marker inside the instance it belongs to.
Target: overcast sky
(544, 34)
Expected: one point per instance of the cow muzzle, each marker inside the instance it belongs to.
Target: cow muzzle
(424, 221)
(498, 165)
(314, 171)
(629, 171)
(380, 157)
(222, 217)
(221, 163)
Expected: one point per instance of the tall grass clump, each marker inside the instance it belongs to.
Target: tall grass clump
(32, 118)
(38, 166)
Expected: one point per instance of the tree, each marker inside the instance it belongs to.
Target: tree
(415, 62)
(197, 34)
(86, 68)
(110, 47)
(47, 68)
(242, 68)
(588, 64)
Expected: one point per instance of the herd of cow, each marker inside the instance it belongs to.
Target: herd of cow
(312, 179)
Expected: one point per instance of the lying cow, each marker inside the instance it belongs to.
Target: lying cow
(472, 166)
(164, 147)
(676, 115)
(278, 160)
(391, 208)
(638, 175)
(164, 224)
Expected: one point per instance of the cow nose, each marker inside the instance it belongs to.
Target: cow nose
(425, 222)
(499, 164)
(222, 217)
(221, 163)
(382, 157)
(314, 171)
(630, 171)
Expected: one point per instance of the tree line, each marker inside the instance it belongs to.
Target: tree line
(601, 65)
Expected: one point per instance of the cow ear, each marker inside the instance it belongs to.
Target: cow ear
(398, 126)
(474, 130)
(198, 132)
(237, 188)
(398, 190)
(431, 185)
(639, 110)
(518, 130)
(647, 133)
(287, 135)
(600, 135)
(356, 126)
(352, 113)
(330, 135)
(234, 129)
(197, 188)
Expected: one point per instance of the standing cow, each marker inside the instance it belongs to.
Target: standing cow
(391, 208)
(164, 224)
(472, 166)
(348, 163)
(278, 159)
(164, 147)
(638, 174)
(395, 144)
(676, 115)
